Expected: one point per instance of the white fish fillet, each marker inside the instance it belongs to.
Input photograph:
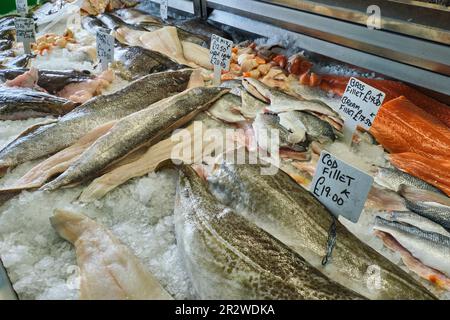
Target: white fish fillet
(109, 271)
(165, 41)
(197, 54)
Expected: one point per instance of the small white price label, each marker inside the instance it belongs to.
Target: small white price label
(105, 48)
(164, 9)
(22, 7)
(220, 52)
(24, 30)
(360, 104)
(341, 188)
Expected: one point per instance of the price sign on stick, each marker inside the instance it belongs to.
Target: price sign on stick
(359, 106)
(22, 7)
(220, 56)
(25, 32)
(340, 187)
(164, 9)
(105, 48)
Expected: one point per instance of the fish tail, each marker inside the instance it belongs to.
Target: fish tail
(68, 224)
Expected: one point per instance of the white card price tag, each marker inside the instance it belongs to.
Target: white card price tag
(220, 55)
(105, 48)
(164, 9)
(359, 106)
(22, 7)
(341, 188)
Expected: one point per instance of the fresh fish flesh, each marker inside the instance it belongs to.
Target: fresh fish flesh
(46, 139)
(434, 170)
(282, 102)
(392, 127)
(439, 213)
(146, 127)
(264, 127)
(228, 257)
(109, 270)
(304, 125)
(278, 205)
(135, 62)
(393, 179)
(433, 249)
(24, 103)
(418, 221)
(50, 80)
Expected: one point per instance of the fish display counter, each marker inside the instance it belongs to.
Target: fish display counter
(157, 155)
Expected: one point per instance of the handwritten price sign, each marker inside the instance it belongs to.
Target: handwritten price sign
(22, 7)
(340, 187)
(360, 104)
(105, 48)
(220, 52)
(24, 30)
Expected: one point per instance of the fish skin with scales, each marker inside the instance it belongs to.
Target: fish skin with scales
(277, 204)
(47, 139)
(229, 257)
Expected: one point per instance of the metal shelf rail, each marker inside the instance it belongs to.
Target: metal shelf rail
(412, 46)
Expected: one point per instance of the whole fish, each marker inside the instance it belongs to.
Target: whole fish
(266, 124)
(201, 29)
(138, 18)
(436, 212)
(52, 81)
(433, 249)
(303, 124)
(92, 24)
(5, 45)
(419, 222)
(229, 257)
(21, 61)
(110, 21)
(109, 270)
(7, 27)
(43, 140)
(282, 102)
(420, 195)
(25, 103)
(392, 178)
(145, 127)
(277, 204)
(135, 62)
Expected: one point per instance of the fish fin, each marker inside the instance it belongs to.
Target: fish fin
(34, 128)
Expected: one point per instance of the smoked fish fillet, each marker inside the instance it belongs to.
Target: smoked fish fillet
(432, 170)
(400, 126)
(392, 89)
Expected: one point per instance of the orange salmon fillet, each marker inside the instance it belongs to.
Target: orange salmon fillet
(392, 89)
(432, 170)
(401, 126)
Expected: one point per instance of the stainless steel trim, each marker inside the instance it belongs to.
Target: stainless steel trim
(416, 52)
(418, 19)
(423, 78)
(180, 5)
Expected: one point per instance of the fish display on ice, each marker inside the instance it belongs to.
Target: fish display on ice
(145, 127)
(229, 257)
(278, 205)
(109, 270)
(48, 138)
